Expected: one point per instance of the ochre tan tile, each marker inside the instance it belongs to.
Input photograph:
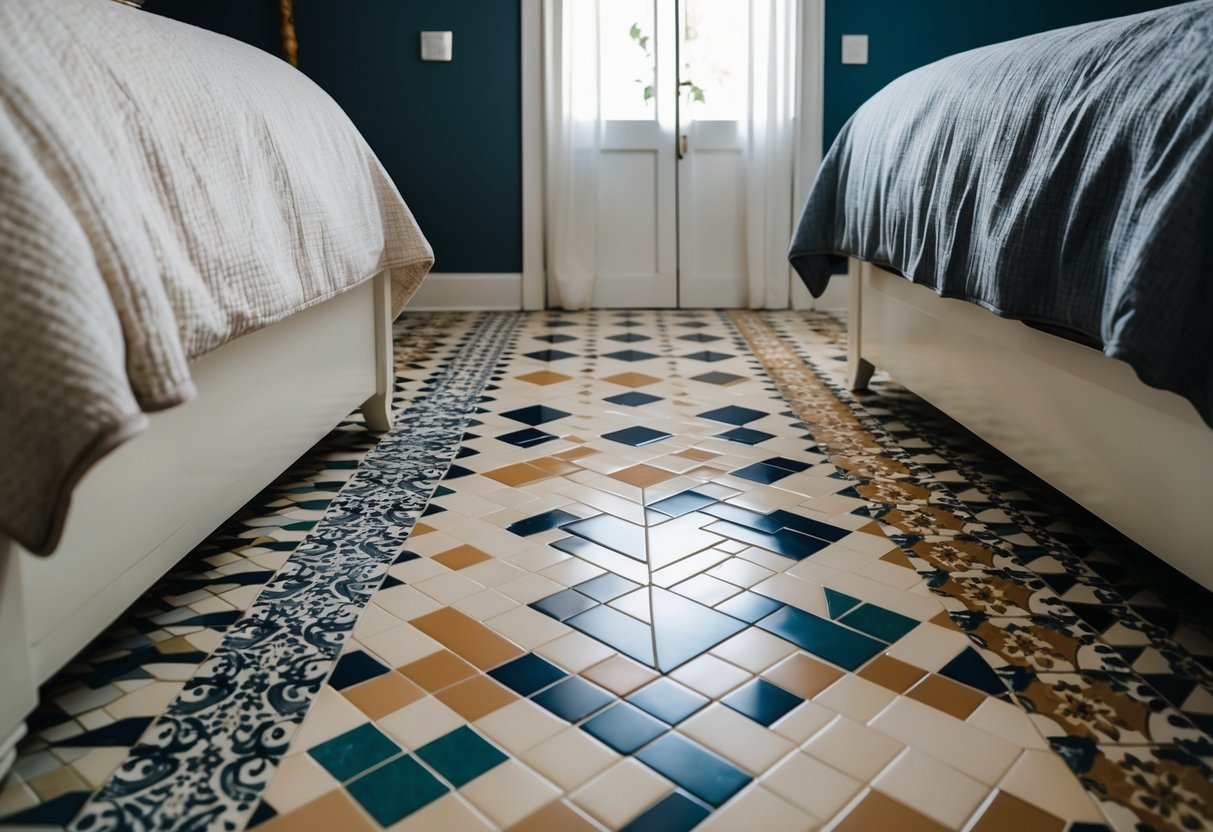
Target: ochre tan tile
(555, 466)
(803, 676)
(476, 697)
(333, 811)
(696, 454)
(461, 557)
(467, 637)
(573, 454)
(642, 476)
(619, 674)
(894, 674)
(897, 558)
(948, 696)
(876, 811)
(517, 474)
(543, 377)
(420, 529)
(554, 816)
(57, 782)
(705, 472)
(632, 380)
(1007, 813)
(383, 695)
(438, 670)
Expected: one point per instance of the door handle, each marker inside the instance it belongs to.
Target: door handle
(682, 146)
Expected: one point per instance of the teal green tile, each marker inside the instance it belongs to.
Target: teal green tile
(461, 756)
(392, 792)
(838, 603)
(878, 622)
(353, 752)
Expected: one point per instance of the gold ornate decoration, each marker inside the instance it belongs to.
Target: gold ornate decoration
(290, 44)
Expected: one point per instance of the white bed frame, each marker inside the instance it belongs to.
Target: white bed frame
(1140, 458)
(263, 400)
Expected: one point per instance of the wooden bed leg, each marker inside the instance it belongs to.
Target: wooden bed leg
(377, 410)
(859, 370)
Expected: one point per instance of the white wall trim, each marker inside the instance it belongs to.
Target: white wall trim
(534, 283)
(809, 150)
(452, 290)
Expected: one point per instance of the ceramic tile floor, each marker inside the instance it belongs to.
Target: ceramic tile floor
(645, 597)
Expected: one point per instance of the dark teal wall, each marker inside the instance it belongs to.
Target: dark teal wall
(450, 134)
(903, 35)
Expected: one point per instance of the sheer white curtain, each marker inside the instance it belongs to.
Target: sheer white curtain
(775, 27)
(573, 116)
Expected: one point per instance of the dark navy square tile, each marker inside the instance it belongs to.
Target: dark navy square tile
(762, 473)
(809, 526)
(700, 337)
(667, 700)
(573, 699)
(624, 728)
(527, 674)
(733, 415)
(821, 637)
(971, 669)
(396, 790)
(682, 503)
(56, 812)
(883, 624)
(629, 337)
(628, 635)
(694, 768)
(717, 377)
(709, 356)
(632, 399)
(673, 813)
(557, 322)
(559, 338)
(348, 755)
(838, 603)
(793, 465)
(746, 436)
(433, 508)
(628, 323)
(465, 452)
(761, 701)
(684, 629)
(527, 437)
(353, 668)
(630, 355)
(606, 587)
(636, 436)
(744, 517)
(694, 324)
(749, 606)
(611, 532)
(457, 471)
(784, 542)
(540, 522)
(564, 604)
(536, 414)
(461, 756)
(550, 355)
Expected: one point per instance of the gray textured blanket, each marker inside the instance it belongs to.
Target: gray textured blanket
(1064, 179)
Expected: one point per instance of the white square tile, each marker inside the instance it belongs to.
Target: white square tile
(758, 808)
(448, 813)
(420, 722)
(812, 785)
(736, 738)
(530, 588)
(572, 571)
(448, 588)
(706, 590)
(528, 628)
(929, 646)
(406, 602)
(853, 749)
(401, 645)
(575, 652)
(932, 788)
(493, 572)
(983, 756)
(621, 793)
(570, 758)
(753, 649)
(856, 697)
(1004, 720)
(1043, 779)
(486, 603)
(710, 676)
(789, 589)
(331, 715)
(636, 604)
(803, 722)
(520, 726)
(509, 792)
(740, 571)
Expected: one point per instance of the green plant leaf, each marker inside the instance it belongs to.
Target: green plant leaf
(697, 94)
(634, 32)
(648, 93)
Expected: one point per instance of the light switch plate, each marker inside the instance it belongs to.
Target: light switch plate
(854, 49)
(436, 46)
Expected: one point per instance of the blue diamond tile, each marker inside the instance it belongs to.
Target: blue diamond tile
(457, 471)
(761, 701)
(970, 669)
(396, 790)
(558, 338)
(746, 436)
(348, 755)
(632, 399)
(748, 606)
(573, 699)
(761, 472)
(612, 627)
(694, 768)
(821, 637)
(667, 700)
(606, 587)
(527, 437)
(793, 465)
(694, 324)
(809, 526)
(717, 377)
(550, 355)
(636, 436)
(564, 604)
(878, 622)
(684, 629)
(700, 337)
(733, 415)
(611, 532)
(353, 668)
(784, 542)
(540, 522)
(624, 728)
(527, 674)
(461, 756)
(682, 503)
(673, 813)
(629, 337)
(630, 355)
(536, 414)
(838, 603)
(709, 355)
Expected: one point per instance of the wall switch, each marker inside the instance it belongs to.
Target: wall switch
(854, 49)
(435, 46)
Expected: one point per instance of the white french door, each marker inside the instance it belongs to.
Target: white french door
(658, 198)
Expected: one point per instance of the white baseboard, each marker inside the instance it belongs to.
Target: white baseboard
(450, 290)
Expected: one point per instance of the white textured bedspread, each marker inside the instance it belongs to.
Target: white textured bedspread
(163, 190)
